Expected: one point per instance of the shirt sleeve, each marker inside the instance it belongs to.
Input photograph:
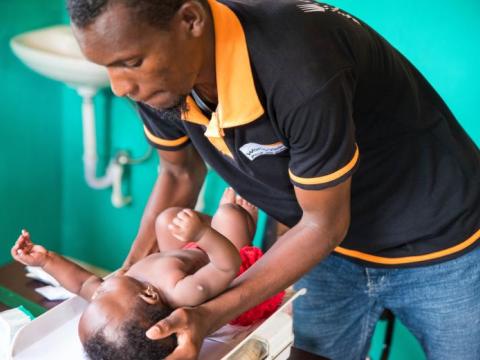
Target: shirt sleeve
(162, 131)
(321, 136)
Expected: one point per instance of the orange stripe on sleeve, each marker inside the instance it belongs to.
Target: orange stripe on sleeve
(327, 178)
(164, 142)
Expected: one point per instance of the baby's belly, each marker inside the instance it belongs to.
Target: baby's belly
(156, 267)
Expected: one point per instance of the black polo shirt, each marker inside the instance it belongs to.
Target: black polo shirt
(310, 96)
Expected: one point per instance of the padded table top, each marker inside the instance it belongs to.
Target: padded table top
(12, 277)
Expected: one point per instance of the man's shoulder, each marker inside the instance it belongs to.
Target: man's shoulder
(272, 7)
(294, 45)
(288, 15)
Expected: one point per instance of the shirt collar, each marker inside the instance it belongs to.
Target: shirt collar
(238, 102)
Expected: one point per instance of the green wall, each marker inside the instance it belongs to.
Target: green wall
(441, 38)
(30, 134)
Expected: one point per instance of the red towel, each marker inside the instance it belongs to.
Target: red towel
(250, 255)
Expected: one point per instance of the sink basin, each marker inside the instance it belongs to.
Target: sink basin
(54, 53)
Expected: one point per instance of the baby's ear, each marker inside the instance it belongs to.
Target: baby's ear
(150, 295)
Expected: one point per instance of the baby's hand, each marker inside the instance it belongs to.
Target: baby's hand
(187, 226)
(28, 253)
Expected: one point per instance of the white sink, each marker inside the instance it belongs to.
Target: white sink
(54, 53)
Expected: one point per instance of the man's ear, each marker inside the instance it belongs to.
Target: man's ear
(150, 295)
(193, 16)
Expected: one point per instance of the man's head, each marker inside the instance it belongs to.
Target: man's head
(156, 13)
(155, 51)
(114, 324)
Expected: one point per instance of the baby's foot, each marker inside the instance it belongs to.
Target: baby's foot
(187, 226)
(228, 196)
(251, 209)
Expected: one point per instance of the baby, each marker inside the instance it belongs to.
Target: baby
(196, 262)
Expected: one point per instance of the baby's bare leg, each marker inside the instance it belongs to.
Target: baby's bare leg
(166, 241)
(235, 223)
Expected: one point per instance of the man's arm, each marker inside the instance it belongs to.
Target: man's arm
(179, 182)
(323, 226)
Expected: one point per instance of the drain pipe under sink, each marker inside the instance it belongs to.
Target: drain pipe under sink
(114, 172)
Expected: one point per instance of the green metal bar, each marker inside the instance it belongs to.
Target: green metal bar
(12, 299)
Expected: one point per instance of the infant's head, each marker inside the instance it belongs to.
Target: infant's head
(115, 322)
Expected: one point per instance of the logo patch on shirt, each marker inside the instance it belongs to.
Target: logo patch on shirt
(309, 6)
(254, 150)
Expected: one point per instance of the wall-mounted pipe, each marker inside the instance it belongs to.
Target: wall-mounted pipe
(115, 169)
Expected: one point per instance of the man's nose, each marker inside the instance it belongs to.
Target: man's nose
(121, 85)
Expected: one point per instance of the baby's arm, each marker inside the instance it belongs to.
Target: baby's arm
(214, 277)
(71, 276)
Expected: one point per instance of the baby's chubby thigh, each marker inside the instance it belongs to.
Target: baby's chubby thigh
(166, 241)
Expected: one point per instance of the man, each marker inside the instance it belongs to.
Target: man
(313, 117)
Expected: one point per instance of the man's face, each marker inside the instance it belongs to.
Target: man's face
(155, 66)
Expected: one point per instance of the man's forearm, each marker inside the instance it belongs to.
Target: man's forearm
(168, 191)
(172, 188)
(292, 256)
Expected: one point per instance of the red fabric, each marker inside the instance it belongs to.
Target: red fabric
(250, 255)
(191, 245)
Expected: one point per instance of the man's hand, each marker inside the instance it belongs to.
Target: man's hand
(190, 326)
(27, 253)
(187, 226)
